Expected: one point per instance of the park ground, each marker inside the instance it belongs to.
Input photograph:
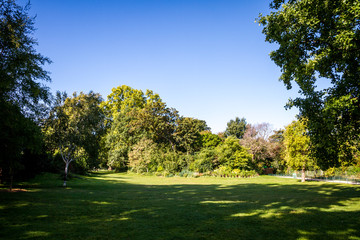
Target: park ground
(109, 205)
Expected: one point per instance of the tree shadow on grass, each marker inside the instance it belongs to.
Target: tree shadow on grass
(111, 208)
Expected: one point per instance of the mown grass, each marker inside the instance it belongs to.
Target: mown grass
(126, 206)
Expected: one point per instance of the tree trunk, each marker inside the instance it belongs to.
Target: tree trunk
(303, 174)
(11, 179)
(66, 173)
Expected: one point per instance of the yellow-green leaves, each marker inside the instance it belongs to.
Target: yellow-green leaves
(297, 145)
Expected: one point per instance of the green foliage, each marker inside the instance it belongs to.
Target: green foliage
(143, 155)
(277, 149)
(75, 127)
(21, 94)
(236, 127)
(20, 140)
(320, 40)
(297, 151)
(121, 100)
(204, 160)
(157, 120)
(124, 123)
(171, 161)
(210, 140)
(21, 65)
(187, 134)
(119, 140)
(133, 115)
(233, 155)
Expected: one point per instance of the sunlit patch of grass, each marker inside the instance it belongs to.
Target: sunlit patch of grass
(36, 234)
(222, 202)
(100, 203)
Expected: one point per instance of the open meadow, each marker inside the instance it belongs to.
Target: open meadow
(129, 206)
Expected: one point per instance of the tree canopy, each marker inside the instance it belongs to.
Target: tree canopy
(236, 127)
(21, 92)
(297, 147)
(74, 128)
(319, 44)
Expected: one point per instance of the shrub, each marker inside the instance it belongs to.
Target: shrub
(142, 155)
(233, 155)
(203, 161)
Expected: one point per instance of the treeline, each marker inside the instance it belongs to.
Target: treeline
(136, 131)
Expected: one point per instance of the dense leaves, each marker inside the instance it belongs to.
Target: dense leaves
(297, 146)
(21, 93)
(236, 127)
(20, 64)
(74, 129)
(319, 44)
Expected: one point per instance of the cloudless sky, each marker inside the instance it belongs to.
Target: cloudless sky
(206, 58)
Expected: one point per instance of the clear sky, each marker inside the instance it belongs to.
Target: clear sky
(206, 58)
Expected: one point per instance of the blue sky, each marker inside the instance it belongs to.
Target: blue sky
(206, 58)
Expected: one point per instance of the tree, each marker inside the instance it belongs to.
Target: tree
(210, 140)
(319, 41)
(277, 150)
(123, 99)
(157, 120)
(74, 128)
(236, 127)
(231, 154)
(120, 137)
(19, 134)
(20, 92)
(297, 147)
(133, 115)
(119, 140)
(21, 65)
(187, 133)
(256, 139)
(143, 153)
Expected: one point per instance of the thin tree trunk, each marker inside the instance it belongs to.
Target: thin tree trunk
(303, 174)
(66, 173)
(11, 179)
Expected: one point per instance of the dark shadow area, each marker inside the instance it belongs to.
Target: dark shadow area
(101, 208)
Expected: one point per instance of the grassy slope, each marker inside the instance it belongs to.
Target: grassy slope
(125, 206)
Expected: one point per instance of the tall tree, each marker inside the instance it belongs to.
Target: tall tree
(74, 128)
(119, 137)
(157, 120)
(123, 99)
(319, 41)
(133, 115)
(297, 147)
(236, 127)
(187, 134)
(21, 93)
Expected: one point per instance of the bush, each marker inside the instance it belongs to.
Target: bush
(353, 171)
(233, 155)
(204, 161)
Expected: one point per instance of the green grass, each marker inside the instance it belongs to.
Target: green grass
(126, 206)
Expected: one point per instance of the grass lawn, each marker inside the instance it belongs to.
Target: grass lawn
(127, 206)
